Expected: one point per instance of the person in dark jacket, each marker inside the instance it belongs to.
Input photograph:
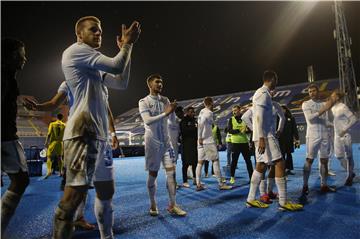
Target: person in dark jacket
(288, 138)
(13, 160)
(188, 133)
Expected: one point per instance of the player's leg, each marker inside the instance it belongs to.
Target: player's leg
(235, 153)
(13, 162)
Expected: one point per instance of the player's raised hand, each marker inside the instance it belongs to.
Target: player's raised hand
(170, 107)
(130, 35)
(29, 103)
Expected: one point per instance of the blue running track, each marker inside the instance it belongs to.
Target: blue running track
(211, 213)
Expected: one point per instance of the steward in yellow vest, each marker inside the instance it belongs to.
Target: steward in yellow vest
(239, 143)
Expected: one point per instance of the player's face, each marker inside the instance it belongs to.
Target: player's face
(91, 34)
(236, 111)
(335, 97)
(19, 58)
(273, 84)
(191, 113)
(313, 93)
(156, 85)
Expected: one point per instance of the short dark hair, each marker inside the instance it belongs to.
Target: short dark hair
(269, 75)
(236, 106)
(9, 46)
(189, 108)
(208, 100)
(153, 77)
(60, 116)
(80, 23)
(313, 85)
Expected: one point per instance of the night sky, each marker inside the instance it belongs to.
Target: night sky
(200, 48)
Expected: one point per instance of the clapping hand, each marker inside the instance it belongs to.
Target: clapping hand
(129, 35)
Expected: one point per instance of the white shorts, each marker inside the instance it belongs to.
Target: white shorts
(315, 145)
(272, 151)
(85, 162)
(208, 152)
(13, 158)
(342, 146)
(155, 154)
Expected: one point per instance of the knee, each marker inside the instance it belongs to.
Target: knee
(19, 183)
(105, 190)
(153, 173)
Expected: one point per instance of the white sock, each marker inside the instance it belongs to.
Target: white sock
(216, 165)
(198, 173)
(105, 218)
(323, 174)
(281, 185)
(9, 203)
(151, 185)
(254, 183)
(80, 211)
(307, 170)
(189, 172)
(262, 187)
(270, 184)
(171, 186)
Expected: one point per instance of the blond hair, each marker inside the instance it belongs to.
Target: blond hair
(80, 23)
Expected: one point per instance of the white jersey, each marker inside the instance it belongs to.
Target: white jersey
(278, 112)
(63, 88)
(205, 122)
(247, 117)
(316, 125)
(84, 69)
(263, 120)
(151, 109)
(343, 117)
(174, 129)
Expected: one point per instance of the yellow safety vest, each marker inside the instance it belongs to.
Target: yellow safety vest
(228, 138)
(214, 129)
(240, 137)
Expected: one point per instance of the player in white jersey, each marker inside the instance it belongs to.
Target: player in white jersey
(344, 119)
(316, 137)
(104, 168)
(86, 70)
(207, 149)
(266, 189)
(266, 146)
(155, 110)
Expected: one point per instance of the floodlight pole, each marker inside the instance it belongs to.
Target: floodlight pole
(347, 78)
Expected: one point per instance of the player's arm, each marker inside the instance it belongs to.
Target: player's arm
(114, 139)
(50, 105)
(48, 135)
(148, 119)
(201, 126)
(351, 120)
(308, 112)
(260, 114)
(281, 116)
(246, 117)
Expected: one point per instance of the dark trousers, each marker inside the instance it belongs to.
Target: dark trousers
(244, 150)
(228, 153)
(185, 166)
(288, 161)
(206, 167)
